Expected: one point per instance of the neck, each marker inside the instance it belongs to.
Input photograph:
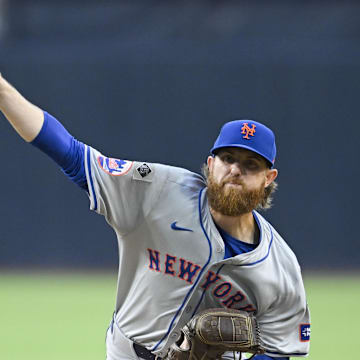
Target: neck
(242, 227)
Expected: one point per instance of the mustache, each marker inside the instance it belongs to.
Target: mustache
(232, 181)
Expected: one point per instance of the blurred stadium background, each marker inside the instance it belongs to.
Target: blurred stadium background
(155, 80)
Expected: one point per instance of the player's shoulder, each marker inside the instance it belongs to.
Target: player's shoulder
(280, 245)
(182, 177)
(175, 177)
(145, 171)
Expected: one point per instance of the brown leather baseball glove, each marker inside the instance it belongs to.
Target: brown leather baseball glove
(215, 331)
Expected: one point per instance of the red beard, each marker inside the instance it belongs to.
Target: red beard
(232, 201)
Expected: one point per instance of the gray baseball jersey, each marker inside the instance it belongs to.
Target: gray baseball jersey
(171, 259)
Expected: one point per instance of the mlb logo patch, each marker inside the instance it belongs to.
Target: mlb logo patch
(113, 166)
(144, 172)
(304, 332)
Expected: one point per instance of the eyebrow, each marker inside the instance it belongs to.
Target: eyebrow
(256, 157)
(250, 155)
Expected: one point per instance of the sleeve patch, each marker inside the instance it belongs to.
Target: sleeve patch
(304, 332)
(144, 172)
(115, 167)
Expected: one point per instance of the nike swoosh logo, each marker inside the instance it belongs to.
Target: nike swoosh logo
(175, 227)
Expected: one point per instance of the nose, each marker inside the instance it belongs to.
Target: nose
(235, 169)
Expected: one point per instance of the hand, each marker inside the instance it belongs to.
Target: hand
(215, 331)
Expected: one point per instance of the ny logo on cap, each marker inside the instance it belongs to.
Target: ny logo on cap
(246, 130)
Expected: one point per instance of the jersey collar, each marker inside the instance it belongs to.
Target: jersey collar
(258, 255)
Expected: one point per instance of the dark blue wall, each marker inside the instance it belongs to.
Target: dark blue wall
(155, 80)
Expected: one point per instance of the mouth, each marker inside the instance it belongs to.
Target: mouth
(234, 184)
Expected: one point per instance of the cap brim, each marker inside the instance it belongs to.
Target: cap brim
(214, 149)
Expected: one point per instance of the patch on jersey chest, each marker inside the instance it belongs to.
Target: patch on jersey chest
(115, 167)
(144, 172)
(304, 332)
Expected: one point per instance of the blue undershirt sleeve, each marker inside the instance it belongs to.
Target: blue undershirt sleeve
(55, 141)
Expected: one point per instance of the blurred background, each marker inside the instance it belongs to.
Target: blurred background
(154, 81)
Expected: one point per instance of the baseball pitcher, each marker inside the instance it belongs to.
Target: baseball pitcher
(202, 275)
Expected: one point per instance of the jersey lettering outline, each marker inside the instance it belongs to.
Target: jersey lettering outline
(211, 278)
(222, 289)
(188, 270)
(154, 259)
(169, 263)
(237, 297)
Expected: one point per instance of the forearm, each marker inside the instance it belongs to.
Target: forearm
(26, 118)
(56, 142)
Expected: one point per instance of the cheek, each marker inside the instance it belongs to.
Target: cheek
(216, 176)
(222, 173)
(218, 171)
(255, 181)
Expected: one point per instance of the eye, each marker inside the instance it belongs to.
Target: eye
(227, 158)
(251, 164)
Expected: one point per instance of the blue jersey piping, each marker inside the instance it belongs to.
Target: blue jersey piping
(204, 291)
(91, 180)
(267, 254)
(197, 279)
(250, 264)
(287, 355)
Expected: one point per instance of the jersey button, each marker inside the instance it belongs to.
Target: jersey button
(174, 335)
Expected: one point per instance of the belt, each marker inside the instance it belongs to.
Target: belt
(144, 353)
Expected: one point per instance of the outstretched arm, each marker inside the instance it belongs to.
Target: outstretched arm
(43, 131)
(26, 118)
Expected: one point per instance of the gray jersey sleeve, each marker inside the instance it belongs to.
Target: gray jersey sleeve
(123, 191)
(285, 328)
(285, 322)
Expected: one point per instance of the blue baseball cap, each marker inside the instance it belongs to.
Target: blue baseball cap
(250, 135)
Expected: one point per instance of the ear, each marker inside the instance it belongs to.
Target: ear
(271, 176)
(210, 162)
